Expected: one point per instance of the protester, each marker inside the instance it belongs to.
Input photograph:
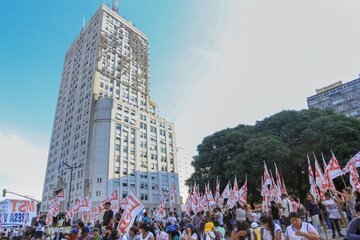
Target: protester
(74, 234)
(171, 219)
(173, 233)
(219, 231)
(85, 234)
(240, 214)
(312, 211)
(242, 231)
(353, 232)
(332, 207)
(189, 233)
(108, 216)
(286, 210)
(299, 229)
(275, 214)
(134, 233)
(256, 229)
(219, 216)
(108, 234)
(269, 229)
(96, 234)
(145, 233)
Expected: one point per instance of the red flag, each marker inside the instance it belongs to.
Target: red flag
(355, 160)
(267, 179)
(327, 178)
(283, 189)
(313, 189)
(334, 169)
(319, 176)
(209, 195)
(243, 193)
(277, 177)
(133, 208)
(172, 196)
(234, 195)
(354, 178)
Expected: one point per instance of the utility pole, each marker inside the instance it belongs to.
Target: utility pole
(73, 167)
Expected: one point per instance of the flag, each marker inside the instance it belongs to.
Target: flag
(217, 192)
(328, 180)
(319, 176)
(277, 177)
(188, 204)
(209, 195)
(172, 196)
(54, 210)
(313, 189)
(265, 199)
(355, 160)
(57, 199)
(234, 195)
(334, 169)
(83, 205)
(160, 211)
(243, 193)
(283, 187)
(224, 195)
(267, 179)
(133, 208)
(354, 178)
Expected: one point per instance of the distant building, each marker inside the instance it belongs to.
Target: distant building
(107, 133)
(342, 98)
(185, 171)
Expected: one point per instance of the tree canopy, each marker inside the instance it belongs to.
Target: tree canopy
(285, 139)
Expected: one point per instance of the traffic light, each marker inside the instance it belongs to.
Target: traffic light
(4, 192)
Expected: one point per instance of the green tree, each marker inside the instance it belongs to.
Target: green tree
(285, 139)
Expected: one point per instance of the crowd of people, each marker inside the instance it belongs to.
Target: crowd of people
(287, 219)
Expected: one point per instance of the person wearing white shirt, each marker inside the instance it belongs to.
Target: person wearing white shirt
(299, 230)
(269, 230)
(334, 214)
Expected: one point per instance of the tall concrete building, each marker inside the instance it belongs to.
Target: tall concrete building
(342, 98)
(185, 171)
(107, 133)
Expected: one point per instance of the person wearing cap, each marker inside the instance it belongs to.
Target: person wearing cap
(256, 229)
(74, 234)
(208, 231)
(173, 233)
(108, 216)
(189, 232)
(96, 234)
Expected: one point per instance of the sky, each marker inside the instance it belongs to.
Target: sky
(214, 64)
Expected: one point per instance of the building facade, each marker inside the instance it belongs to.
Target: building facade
(342, 98)
(107, 132)
(185, 171)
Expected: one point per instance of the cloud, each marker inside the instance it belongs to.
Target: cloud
(22, 166)
(261, 58)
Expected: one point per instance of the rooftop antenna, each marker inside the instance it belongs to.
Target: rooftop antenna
(115, 6)
(83, 22)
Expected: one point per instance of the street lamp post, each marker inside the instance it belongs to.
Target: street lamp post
(73, 167)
